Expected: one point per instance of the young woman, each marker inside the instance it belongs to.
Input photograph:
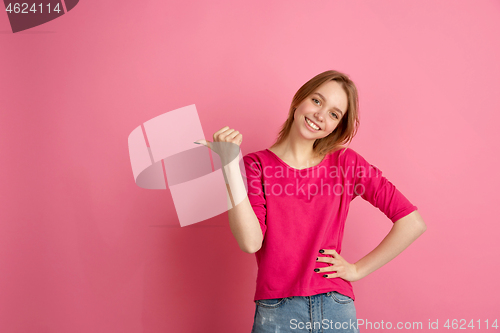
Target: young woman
(299, 191)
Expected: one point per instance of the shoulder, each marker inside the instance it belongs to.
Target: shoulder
(256, 155)
(349, 156)
(256, 159)
(346, 153)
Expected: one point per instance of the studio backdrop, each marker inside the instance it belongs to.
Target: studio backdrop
(84, 248)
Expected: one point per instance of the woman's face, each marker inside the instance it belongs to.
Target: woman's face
(325, 107)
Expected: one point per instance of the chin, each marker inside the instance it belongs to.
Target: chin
(310, 136)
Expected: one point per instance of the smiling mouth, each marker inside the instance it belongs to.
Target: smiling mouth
(313, 126)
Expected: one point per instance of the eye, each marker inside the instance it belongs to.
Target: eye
(333, 113)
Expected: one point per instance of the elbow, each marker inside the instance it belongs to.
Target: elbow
(251, 248)
(423, 227)
(414, 222)
(249, 251)
(253, 245)
(419, 221)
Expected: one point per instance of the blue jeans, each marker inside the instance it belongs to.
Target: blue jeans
(327, 312)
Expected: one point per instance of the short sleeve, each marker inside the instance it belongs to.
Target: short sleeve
(256, 195)
(372, 186)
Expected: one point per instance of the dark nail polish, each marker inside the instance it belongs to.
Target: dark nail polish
(198, 143)
(316, 269)
(321, 251)
(317, 258)
(325, 275)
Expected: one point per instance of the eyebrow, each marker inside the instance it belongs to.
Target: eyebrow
(323, 97)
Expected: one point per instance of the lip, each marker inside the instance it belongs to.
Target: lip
(313, 123)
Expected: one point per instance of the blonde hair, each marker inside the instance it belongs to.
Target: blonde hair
(348, 126)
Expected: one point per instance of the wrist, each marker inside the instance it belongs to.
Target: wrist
(359, 271)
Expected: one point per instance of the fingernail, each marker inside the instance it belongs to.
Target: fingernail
(317, 258)
(316, 269)
(325, 275)
(198, 143)
(321, 251)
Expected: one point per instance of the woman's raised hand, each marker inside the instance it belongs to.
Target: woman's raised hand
(226, 144)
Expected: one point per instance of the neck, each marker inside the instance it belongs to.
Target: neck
(297, 152)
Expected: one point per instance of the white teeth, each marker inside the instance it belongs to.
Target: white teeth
(312, 125)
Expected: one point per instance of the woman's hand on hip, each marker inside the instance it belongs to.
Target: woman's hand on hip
(339, 267)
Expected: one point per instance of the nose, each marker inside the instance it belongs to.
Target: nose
(318, 116)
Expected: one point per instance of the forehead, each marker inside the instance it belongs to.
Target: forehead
(332, 92)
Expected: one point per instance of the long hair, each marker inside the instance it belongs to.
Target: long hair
(348, 126)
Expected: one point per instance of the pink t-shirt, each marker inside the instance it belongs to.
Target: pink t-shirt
(303, 211)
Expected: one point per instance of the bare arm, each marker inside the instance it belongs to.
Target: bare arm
(404, 232)
(243, 222)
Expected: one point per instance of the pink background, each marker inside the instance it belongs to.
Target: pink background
(84, 249)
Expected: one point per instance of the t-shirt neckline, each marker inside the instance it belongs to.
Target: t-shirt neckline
(311, 167)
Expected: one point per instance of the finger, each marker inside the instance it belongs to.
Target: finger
(224, 135)
(204, 142)
(238, 139)
(330, 276)
(331, 252)
(234, 137)
(327, 269)
(325, 259)
(222, 130)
